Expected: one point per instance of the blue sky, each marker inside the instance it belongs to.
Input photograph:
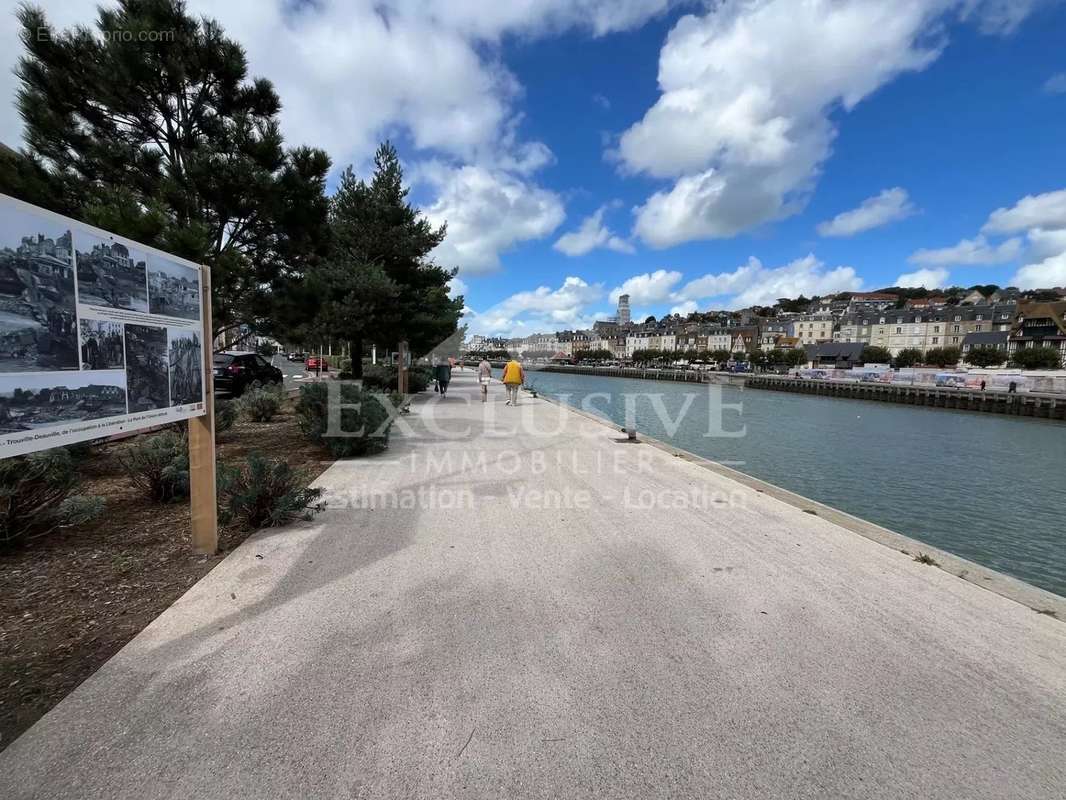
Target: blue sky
(698, 154)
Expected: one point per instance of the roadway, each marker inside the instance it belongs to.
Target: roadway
(511, 602)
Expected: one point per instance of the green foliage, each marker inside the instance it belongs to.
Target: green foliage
(225, 415)
(875, 355)
(36, 499)
(261, 405)
(649, 356)
(1037, 358)
(385, 378)
(798, 305)
(986, 356)
(158, 465)
(594, 355)
(943, 356)
(719, 356)
(908, 357)
(169, 142)
(264, 494)
(364, 419)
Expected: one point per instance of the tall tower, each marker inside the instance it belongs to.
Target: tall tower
(623, 309)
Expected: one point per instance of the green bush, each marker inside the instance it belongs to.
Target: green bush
(36, 499)
(265, 494)
(908, 357)
(986, 356)
(1036, 358)
(943, 356)
(158, 465)
(381, 378)
(365, 427)
(261, 405)
(225, 415)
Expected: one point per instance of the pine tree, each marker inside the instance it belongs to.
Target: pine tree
(375, 228)
(165, 139)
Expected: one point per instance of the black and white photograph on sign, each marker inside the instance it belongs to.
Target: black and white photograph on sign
(111, 273)
(38, 322)
(146, 368)
(173, 288)
(47, 399)
(101, 344)
(186, 367)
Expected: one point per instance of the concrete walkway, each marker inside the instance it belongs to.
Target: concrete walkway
(470, 644)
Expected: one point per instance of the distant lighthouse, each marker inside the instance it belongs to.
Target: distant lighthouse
(623, 309)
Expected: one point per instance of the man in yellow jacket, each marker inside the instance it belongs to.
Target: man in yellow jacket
(513, 377)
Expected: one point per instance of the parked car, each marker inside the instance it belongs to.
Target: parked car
(235, 372)
(316, 363)
(297, 356)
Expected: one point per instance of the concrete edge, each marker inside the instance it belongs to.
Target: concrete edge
(1039, 600)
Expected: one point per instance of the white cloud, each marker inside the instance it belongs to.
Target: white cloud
(928, 278)
(889, 206)
(1056, 84)
(487, 213)
(542, 309)
(970, 252)
(754, 284)
(593, 233)
(1045, 274)
(1046, 210)
(353, 72)
(457, 286)
(685, 308)
(744, 123)
(602, 101)
(428, 67)
(1044, 244)
(648, 289)
(1000, 16)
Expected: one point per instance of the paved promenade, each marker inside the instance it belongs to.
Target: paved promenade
(552, 613)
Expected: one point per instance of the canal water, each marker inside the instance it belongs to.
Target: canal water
(985, 487)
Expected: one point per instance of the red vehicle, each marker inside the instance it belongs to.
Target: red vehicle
(316, 364)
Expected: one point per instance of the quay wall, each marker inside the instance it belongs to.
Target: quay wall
(1028, 404)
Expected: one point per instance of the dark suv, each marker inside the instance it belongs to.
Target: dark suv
(235, 372)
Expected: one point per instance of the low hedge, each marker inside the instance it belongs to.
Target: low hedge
(365, 418)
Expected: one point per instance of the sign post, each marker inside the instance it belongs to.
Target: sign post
(202, 487)
(401, 374)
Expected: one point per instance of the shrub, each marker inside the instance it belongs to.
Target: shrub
(158, 465)
(364, 419)
(986, 356)
(908, 357)
(36, 499)
(943, 356)
(1036, 358)
(225, 415)
(381, 378)
(265, 494)
(261, 405)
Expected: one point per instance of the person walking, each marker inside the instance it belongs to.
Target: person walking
(443, 375)
(484, 377)
(513, 377)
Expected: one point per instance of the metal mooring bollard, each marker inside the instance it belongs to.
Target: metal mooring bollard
(632, 433)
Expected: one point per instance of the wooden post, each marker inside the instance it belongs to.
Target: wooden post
(401, 367)
(202, 444)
